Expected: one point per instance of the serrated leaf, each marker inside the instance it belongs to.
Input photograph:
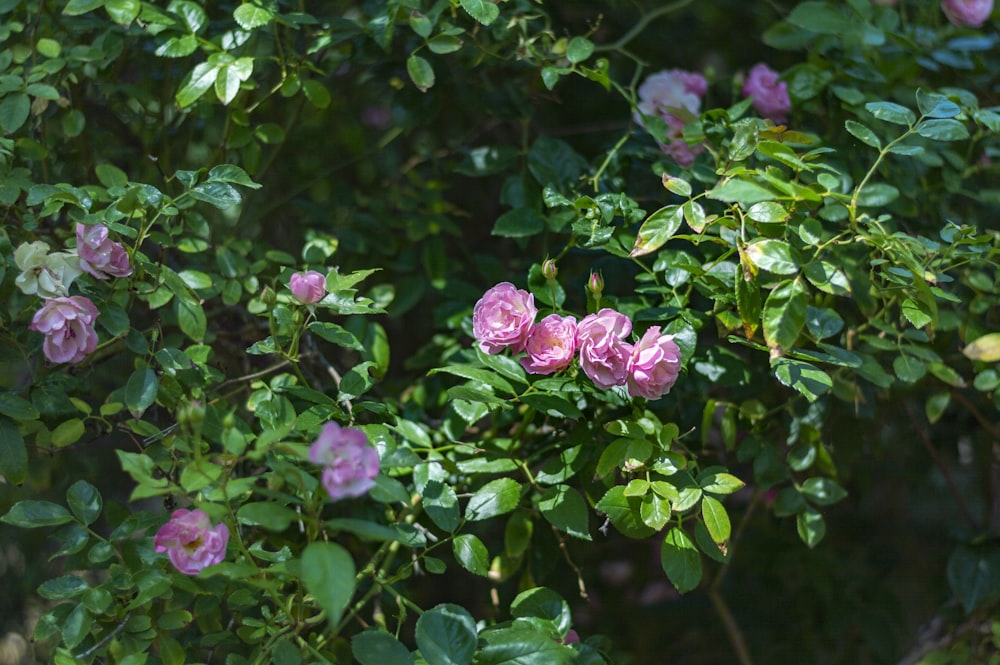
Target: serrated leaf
(482, 10)
(890, 112)
(84, 500)
(566, 510)
(943, 130)
(250, 16)
(446, 635)
(140, 390)
(202, 78)
(32, 514)
(985, 348)
(496, 497)
(807, 379)
(328, 572)
(784, 314)
(772, 255)
(470, 552)
(716, 519)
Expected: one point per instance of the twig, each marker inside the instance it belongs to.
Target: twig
(581, 585)
(642, 24)
(732, 628)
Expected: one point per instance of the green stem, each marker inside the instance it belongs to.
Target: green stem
(642, 24)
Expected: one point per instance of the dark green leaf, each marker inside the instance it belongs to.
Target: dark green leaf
(441, 505)
(657, 230)
(202, 78)
(935, 105)
(268, 514)
(863, 134)
(784, 314)
(446, 635)
(495, 498)
(483, 11)
(823, 491)
(377, 647)
(523, 644)
(625, 513)
(737, 190)
(470, 552)
(14, 110)
(31, 514)
(542, 603)
(804, 377)
(811, 526)
(943, 130)
(553, 405)
(974, 574)
(13, 453)
(890, 112)
(85, 501)
(421, 72)
(140, 390)
(519, 223)
(566, 510)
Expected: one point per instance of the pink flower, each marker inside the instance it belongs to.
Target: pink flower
(664, 95)
(191, 542)
(971, 13)
(308, 287)
(99, 255)
(68, 326)
(654, 365)
(350, 463)
(571, 637)
(550, 345)
(770, 96)
(604, 353)
(503, 317)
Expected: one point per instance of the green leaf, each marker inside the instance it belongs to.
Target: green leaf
(552, 405)
(268, 514)
(328, 573)
(63, 588)
(657, 230)
(191, 319)
(655, 509)
(470, 552)
(84, 500)
(974, 574)
(17, 408)
(828, 278)
(784, 314)
(31, 514)
(804, 377)
(747, 299)
(250, 16)
(14, 110)
(680, 560)
(811, 526)
(768, 212)
(421, 72)
(482, 10)
(863, 134)
(441, 505)
(523, 644)
(77, 626)
(519, 223)
(909, 368)
(566, 510)
(122, 12)
(579, 49)
(491, 379)
(713, 513)
(737, 190)
(178, 47)
(377, 647)
(140, 390)
(916, 312)
(935, 105)
(943, 130)
(220, 194)
(720, 482)
(78, 7)
(446, 635)
(13, 453)
(772, 255)
(496, 497)
(890, 112)
(625, 513)
(823, 491)
(316, 93)
(542, 603)
(201, 78)
(335, 334)
(68, 432)
(821, 17)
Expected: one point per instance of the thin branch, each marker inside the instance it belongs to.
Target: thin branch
(732, 628)
(642, 24)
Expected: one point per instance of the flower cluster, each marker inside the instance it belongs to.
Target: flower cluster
(191, 542)
(68, 321)
(349, 463)
(668, 95)
(504, 318)
(770, 96)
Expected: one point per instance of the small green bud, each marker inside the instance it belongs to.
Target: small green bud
(549, 269)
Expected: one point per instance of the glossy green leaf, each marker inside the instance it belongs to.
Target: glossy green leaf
(936, 105)
(140, 390)
(891, 112)
(862, 133)
(251, 16)
(772, 255)
(657, 230)
(804, 377)
(483, 11)
(421, 72)
(32, 514)
(737, 190)
(377, 647)
(823, 491)
(441, 505)
(122, 12)
(14, 110)
(84, 500)
(943, 130)
(625, 513)
(267, 514)
(471, 553)
(716, 520)
(496, 497)
(811, 526)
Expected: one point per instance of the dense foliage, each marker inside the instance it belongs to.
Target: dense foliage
(691, 310)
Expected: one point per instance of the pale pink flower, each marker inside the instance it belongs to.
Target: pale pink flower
(350, 464)
(770, 96)
(654, 365)
(68, 326)
(663, 95)
(503, 317)
(550, 345)
(604, 353)
(970, 13)
(99, 255)
(191, 542)
(308, 287)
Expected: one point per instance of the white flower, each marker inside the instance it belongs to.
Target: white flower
(44, 274)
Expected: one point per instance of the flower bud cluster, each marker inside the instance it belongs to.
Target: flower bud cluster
(68, 321)
(504, 318)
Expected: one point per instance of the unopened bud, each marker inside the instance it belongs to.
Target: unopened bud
(269, 297)
(549, 270)
(596, 284)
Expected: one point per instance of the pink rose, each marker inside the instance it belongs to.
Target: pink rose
(665, 93)
(191, 542)
(604, 353)
(308, 287)
(654, 365)
(971, 13)
(550, 345)
(350, 463)
(503, 317)
(770, 96)
(99, 255)
(68, 326)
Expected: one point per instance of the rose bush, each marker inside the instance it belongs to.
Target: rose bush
(377, 462)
